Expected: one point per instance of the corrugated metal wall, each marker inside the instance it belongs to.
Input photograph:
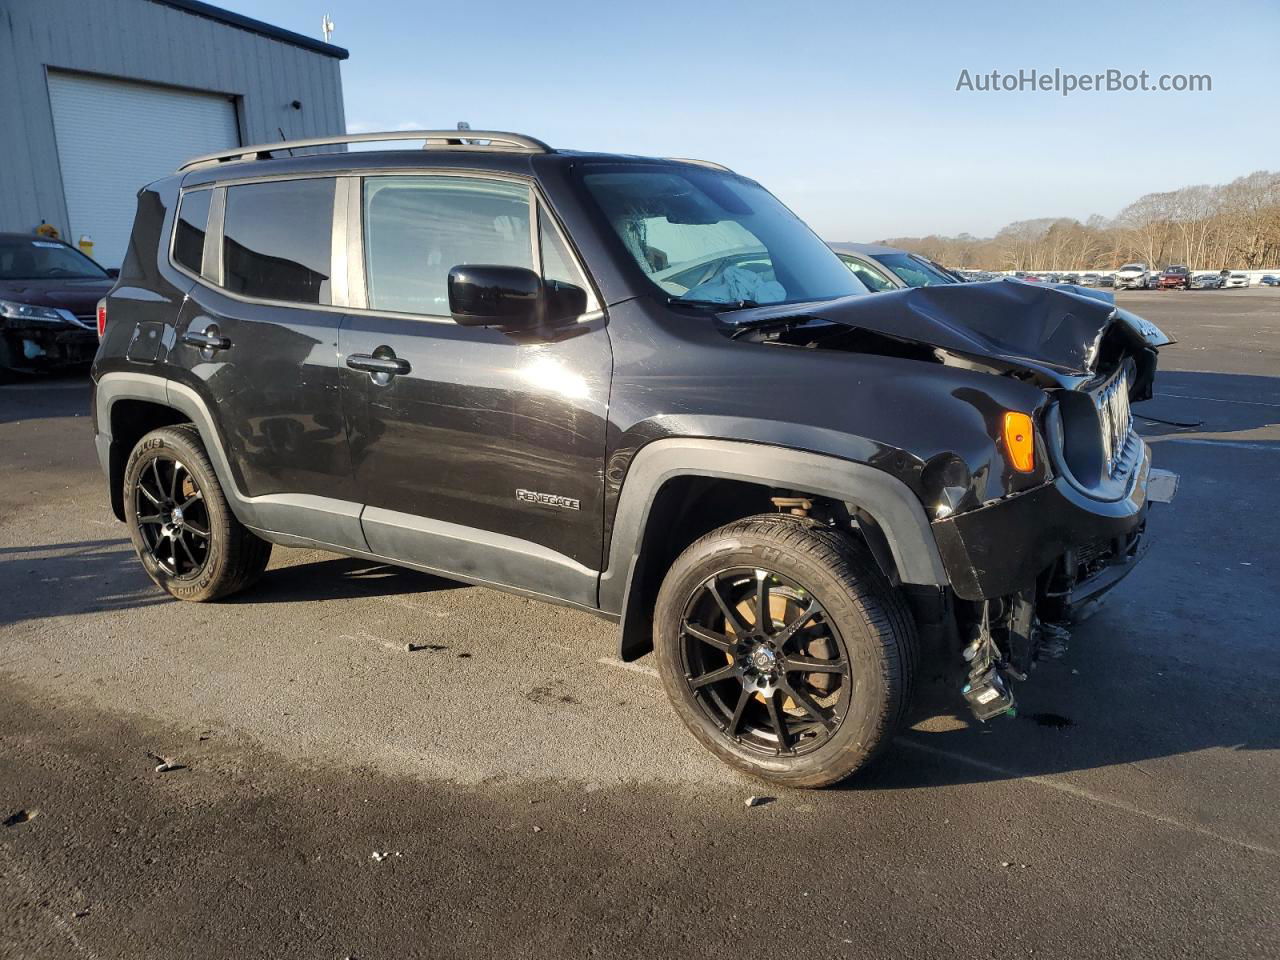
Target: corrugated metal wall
(145, 41)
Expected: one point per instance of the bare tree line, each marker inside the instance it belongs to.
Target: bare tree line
(1233, 225)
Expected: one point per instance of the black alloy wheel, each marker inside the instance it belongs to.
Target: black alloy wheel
(784, 649)
(172, 517)
(765, 662)
(186, 535)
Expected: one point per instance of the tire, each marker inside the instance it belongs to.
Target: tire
(199, 552)
(790, 727)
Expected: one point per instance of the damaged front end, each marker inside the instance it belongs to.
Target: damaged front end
(1038, 550)
(40, 337)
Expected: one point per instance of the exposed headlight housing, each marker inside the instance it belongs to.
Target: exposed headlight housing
(12, 310)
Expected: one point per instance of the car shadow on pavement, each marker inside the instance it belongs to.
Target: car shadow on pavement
(104, 576)
(61, 579)
(339, 578)
(46, 396)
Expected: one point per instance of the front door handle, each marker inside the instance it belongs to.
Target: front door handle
(389, 366)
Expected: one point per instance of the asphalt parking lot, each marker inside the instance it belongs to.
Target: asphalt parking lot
(509, 790)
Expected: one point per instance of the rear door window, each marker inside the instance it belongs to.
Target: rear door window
(277, 240)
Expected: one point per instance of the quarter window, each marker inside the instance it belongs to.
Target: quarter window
(558, 265)
(277, 240)
(188, 237)
(417, 229)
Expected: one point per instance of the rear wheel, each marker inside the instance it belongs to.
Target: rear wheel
(185, 534)
(784, 650)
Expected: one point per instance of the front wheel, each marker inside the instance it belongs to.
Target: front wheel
(186, 536)
(784, 650)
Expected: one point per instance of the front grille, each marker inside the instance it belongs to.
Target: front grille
(1116, 421)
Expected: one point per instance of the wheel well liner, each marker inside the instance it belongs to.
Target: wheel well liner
(647, 504)
(129, 420)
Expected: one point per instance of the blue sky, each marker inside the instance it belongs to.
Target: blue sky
(847, 111)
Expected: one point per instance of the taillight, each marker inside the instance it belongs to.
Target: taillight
(1019, 441)
(102, 318)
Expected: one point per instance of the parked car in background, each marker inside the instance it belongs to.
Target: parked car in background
(49, 292)
(1175, 277)
(1132, 276)
(1153, 281)
(1205, 281)
(1236, 279)
(1106, 280)
(896, 269)
(1070, 278)
(1089, 280)
(874, 276)
(1270, 280)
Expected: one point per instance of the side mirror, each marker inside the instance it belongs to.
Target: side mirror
(564, 301)
(113, 273)
(495, 296)
(513, 299)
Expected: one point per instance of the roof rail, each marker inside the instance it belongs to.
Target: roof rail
(480, 140)
(702, 163)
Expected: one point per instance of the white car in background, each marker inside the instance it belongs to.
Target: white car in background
(1132, 276)
(1235, 280)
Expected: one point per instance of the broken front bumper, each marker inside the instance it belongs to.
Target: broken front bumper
(1005, 547)
(36, 346)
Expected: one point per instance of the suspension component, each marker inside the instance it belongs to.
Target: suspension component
(986, 690)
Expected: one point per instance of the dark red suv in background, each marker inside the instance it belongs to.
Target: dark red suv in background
(1175, 276)
(49, 292)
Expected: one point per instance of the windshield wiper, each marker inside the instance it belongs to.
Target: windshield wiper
(772, 324)
(718, 304)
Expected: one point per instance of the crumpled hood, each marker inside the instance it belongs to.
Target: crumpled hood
(79, 296)
(1051, 329)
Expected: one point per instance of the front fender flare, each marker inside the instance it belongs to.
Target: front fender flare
(890, 502)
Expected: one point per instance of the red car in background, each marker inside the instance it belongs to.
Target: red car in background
(1175, 276)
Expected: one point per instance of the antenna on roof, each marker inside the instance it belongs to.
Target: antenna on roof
(326, 27)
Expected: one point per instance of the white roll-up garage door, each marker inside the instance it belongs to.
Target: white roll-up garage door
(115, 136)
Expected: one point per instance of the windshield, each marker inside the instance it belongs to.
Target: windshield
(913, 271)
(1133, 266)
(34, 259)
(702, 236)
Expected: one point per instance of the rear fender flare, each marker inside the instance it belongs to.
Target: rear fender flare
(335, 522)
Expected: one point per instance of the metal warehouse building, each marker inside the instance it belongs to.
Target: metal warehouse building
(99, 97)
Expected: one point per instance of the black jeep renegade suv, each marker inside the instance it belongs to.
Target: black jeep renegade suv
(639, 387)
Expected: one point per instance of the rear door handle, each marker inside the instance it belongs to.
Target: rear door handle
(207, 340)
(390, 366)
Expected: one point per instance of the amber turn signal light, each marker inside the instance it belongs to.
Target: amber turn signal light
(1020, 441)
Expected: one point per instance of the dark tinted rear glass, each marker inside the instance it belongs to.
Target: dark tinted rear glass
(277, 240)
(188, 239)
